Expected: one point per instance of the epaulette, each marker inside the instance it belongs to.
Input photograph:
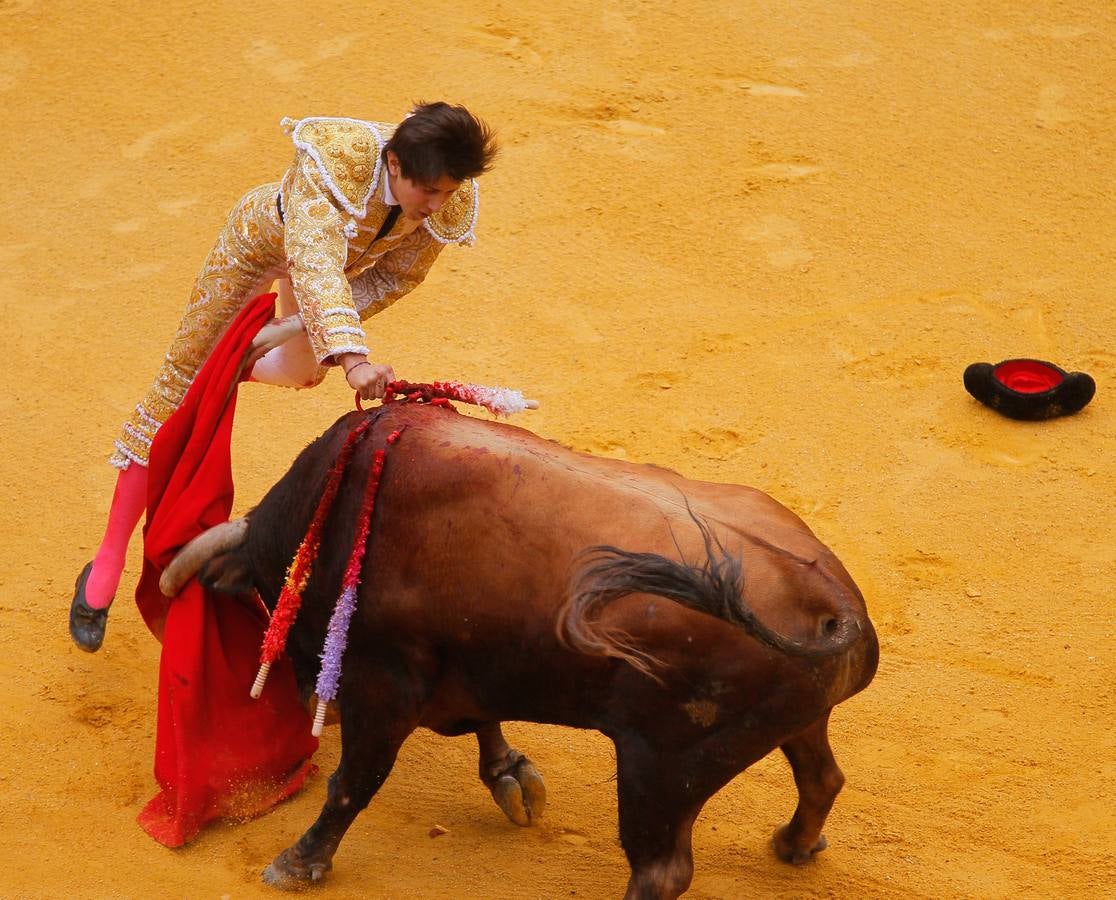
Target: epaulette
(455, 221)
(347, 153)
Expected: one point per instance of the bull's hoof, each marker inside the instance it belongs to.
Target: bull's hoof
(789, 852)
(289, 872)
(519, 790)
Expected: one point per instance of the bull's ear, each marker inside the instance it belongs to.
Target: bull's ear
(227, 573)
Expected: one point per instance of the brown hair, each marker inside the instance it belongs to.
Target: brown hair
(438, 139)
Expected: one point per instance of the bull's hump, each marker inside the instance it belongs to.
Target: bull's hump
(438, 428)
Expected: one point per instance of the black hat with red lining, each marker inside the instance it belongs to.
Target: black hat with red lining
(1029, 389)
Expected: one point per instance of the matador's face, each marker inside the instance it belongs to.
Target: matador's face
(418, 199)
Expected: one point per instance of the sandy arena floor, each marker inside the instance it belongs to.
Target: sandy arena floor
(754, 241)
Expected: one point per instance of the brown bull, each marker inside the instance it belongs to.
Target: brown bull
(494, 589)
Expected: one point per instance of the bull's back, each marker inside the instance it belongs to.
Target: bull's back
(594, 498)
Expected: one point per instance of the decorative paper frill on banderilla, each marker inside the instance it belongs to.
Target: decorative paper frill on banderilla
(298, 573)
(337, 634)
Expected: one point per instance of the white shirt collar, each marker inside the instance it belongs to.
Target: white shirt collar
(389, 197)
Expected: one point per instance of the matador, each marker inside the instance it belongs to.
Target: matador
(355, 223)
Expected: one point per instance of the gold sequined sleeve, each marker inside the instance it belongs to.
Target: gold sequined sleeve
(396, 273)
(316, 250)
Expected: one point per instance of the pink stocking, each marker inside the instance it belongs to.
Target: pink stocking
(128, 503)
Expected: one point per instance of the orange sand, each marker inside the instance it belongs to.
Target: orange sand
(754, 241)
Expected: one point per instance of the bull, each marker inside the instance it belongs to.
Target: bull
(697, 625)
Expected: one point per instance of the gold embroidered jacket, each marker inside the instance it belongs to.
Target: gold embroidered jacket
(332, 199)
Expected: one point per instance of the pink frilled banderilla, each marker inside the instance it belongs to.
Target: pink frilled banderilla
(498, 401)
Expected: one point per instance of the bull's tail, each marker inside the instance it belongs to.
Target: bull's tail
(715, 587)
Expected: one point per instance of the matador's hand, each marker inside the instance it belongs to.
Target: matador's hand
(370, 380)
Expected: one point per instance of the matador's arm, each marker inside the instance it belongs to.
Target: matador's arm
(317, 251)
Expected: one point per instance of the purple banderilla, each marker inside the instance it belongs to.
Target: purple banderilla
(337, 634)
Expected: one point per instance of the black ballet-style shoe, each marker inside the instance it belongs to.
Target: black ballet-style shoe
(1029, 389)
(87, 625)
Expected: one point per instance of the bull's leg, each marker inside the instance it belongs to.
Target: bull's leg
(515, 783)
(818, 781)
(658, 805)
(373, 728)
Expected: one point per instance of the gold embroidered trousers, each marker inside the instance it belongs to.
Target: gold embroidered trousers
(247, 257)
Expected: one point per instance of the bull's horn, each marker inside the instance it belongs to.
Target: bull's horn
(199, 551)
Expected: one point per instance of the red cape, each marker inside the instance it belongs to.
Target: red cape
(218, 753)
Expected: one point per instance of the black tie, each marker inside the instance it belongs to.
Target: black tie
(393, 214)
